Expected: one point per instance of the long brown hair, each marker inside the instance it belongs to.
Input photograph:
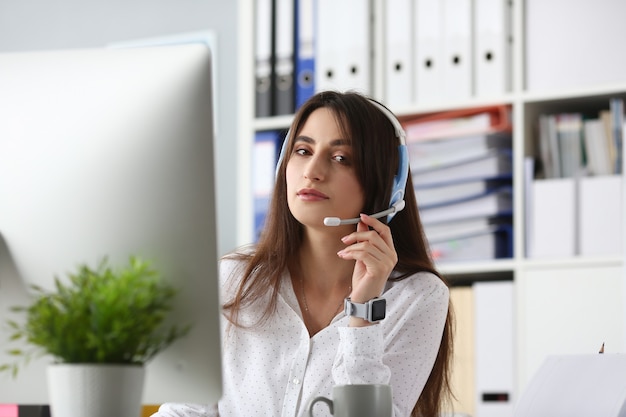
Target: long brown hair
(375, 151)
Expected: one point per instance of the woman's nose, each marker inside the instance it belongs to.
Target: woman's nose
(315, 169)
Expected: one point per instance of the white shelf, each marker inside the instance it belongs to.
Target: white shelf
(575, 262)
(476, 268)
(474, 102)
(273, 123)
(525, 273)
(579, 94)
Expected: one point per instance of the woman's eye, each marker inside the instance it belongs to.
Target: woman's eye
(340, 158)
(301, 151)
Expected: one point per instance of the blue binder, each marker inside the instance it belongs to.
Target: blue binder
(267, 144)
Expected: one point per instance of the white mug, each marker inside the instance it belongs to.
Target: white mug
(358, 400)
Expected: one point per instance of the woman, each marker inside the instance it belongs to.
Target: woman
(287, 337)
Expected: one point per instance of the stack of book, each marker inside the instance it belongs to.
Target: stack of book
(462, 169)
(576, 144)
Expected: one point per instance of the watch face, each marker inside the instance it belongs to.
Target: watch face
(379, 307)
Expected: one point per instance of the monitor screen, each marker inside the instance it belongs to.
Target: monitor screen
(109, 153)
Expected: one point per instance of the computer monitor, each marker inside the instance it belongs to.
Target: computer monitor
(109, 152)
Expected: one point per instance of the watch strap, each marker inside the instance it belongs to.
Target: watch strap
(355, 309)
(366, 311)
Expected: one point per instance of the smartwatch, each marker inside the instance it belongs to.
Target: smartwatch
(372, 311)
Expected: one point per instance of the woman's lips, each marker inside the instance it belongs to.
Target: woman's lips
(311, 194)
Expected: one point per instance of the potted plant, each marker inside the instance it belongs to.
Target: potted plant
(101, 326)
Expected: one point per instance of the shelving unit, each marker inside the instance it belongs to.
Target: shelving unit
(569, 305)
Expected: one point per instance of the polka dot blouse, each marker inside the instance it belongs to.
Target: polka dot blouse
(276, 369)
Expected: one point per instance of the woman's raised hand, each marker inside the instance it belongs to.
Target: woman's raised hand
(371, 246)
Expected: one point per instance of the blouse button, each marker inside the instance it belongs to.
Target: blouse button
(295, 381)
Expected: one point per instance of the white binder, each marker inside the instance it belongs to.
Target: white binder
(326, 50)
(343, 48)
(601, 213)
(457, 47)
(399, 53)
(553, 209)
(492, 47)
(494, 348)
(428, 51)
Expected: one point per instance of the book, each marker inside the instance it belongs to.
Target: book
(606, 118)
(561, 144)
(569, 136)
(443, 151)
(497, 202)
(547, 150)
(454, 123)
(490, 165)
(438, 230)
(617, 126)
(597, 148)
(429, 194)
(492, 242)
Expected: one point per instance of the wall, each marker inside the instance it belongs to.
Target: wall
(58, 24)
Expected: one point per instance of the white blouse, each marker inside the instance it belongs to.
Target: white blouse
(275, 369)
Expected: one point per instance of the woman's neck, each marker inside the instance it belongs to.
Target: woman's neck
(321, 280)
(319, 265)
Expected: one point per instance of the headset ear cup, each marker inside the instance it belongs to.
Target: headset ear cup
(402, 174)
(400, 179)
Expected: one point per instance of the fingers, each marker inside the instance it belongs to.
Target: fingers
(371, 246)
(376, 242)
(363, 231)
(360, 227)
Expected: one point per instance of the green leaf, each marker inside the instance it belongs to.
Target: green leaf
(101, 315)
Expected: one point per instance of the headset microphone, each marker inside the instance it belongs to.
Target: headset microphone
(336, 221)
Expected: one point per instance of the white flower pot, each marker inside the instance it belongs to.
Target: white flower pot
(86, 390)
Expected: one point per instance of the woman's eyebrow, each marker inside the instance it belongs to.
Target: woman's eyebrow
(334, 142)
